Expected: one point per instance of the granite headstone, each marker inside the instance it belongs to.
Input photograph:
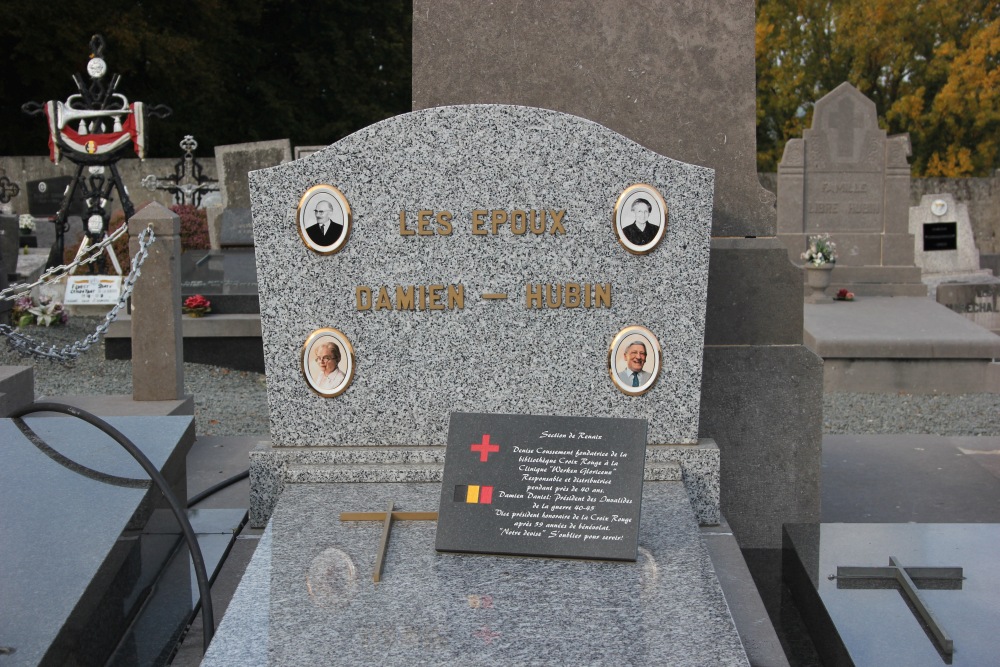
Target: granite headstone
(235, 161)
(420, 187)
(848, 179)
(979, 302)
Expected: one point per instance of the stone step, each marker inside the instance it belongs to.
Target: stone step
(878, 289)
(876, 274)
(236, 325)
(321, 473)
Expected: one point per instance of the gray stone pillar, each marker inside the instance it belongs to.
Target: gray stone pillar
(157, 340)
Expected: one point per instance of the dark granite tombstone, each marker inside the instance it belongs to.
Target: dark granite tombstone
(873, 621)
(45, 197)
(85, 547)
(9, 245)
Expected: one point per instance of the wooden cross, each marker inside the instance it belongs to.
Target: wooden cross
(387, 518)
(905, 576)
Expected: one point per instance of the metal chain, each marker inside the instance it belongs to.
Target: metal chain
(92, 254)
(29, 347)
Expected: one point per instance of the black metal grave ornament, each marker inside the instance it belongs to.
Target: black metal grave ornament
(186, 168)
(94, 128)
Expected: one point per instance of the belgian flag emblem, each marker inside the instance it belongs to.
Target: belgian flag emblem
(473, 494)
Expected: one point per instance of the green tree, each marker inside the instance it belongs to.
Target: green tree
(932, 67)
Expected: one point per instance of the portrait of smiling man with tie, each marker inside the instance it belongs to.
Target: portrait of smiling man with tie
(635, 360)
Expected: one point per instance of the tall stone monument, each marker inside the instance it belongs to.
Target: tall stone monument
(848, 179)
(678, 78)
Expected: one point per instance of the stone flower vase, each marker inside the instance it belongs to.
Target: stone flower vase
(818, 279)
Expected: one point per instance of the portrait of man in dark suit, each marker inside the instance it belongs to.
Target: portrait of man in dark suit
(325, 231)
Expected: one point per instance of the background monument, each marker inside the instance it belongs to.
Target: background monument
(663, 80)
(846, 178)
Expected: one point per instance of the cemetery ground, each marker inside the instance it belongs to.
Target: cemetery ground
(887, 457)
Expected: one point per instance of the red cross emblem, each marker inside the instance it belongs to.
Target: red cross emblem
(485, 448)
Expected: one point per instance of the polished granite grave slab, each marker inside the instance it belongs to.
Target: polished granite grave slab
(76, 562)
(876, 626)
(321, 607)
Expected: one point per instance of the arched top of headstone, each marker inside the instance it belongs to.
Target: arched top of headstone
(474, 263)
(845, 130)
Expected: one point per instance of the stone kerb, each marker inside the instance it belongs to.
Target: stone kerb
(413, 367)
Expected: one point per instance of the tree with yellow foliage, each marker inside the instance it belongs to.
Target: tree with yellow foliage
(932, 67)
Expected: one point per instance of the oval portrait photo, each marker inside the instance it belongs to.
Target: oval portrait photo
(324, 219)
(634, 360)
(328, 362)
(640, 218)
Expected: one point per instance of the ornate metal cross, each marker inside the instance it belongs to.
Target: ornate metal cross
(8, 189)
(889, 577)
(387, 518)
(174, 183)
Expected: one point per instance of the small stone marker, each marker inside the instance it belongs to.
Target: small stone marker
(542, 486)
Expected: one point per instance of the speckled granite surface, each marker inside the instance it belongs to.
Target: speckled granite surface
(430, 608)
(414, 367)
(271, 468)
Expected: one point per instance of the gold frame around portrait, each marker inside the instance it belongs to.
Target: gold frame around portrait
(627, 336)
(328, 193)
(616, 217)
(348, 349)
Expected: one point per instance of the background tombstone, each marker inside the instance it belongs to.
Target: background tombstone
(846, 178)
(942, 237)
(233, 163)
(663, 80)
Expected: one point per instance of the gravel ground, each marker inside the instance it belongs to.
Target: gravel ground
(235, 402)
(226, 402)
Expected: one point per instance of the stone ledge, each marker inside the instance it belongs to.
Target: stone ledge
(271, 468)
(236, 325)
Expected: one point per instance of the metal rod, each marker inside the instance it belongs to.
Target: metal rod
(384, 545)
(944, 641)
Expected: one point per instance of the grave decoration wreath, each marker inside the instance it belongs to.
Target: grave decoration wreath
(197, 306)
(821, 251)
(844, 295)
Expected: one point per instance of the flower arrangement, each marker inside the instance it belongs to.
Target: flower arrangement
(26, 223)
(844, 295)
(821, 251)
(45, 312)
(197, 306)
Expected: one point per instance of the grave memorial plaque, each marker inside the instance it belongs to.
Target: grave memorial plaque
(542, 486)
(940, 236)
(45, 197)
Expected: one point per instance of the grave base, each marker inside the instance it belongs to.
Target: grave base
(901, 344)
(313, 601)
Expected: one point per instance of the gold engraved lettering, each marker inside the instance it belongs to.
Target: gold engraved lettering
(539, 217)
(383, 302)
(422, 303)
(404, 297)
(363, 297)
(533, 296)
(456, 297)
(435, 292)
(518, 222)
(553, 296)
(424, 223)
(444, 222)
(499, 218)
(557, 218)
(403, 230)
(478, 222)
(568, 295)
(572, 295)
(602, 295)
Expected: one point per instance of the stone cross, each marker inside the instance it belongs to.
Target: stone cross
(905, 576)
(387, 518)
